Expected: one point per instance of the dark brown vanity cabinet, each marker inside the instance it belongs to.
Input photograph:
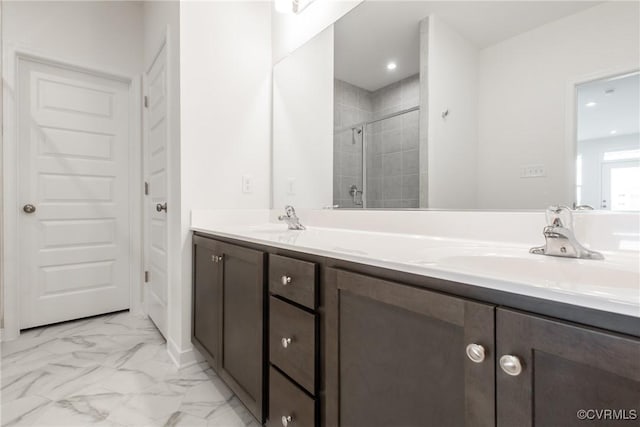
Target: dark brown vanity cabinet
(229, 321)
(341, 346)
(396, 356)
(560, 374)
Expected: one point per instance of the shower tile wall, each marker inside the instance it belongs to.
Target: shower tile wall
(353, 105)
(393, 174)
(392, 144)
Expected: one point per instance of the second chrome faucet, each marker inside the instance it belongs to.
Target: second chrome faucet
(560, 240)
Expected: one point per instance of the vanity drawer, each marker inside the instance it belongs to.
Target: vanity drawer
(296, 357)
(288, 400)
(293, 279)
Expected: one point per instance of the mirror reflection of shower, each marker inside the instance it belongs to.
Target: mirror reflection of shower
(376, 143)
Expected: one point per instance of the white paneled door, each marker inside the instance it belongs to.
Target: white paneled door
(156, 130)
(73, 153)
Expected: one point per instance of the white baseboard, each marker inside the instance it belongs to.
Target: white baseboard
(6, 336)
(183, 357)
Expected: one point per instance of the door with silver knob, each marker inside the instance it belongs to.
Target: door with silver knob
(74, 182)
(156, 148)
(551, 373)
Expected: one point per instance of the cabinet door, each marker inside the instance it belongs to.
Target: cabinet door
(207, 298)
(397, 356)
(565, 369)
(242, 361)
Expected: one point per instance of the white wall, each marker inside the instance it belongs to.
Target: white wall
(225, 97)
(303, 125)
(452, 141)
(162, 21)
(80, 32)
(289, 32)
(524, 84)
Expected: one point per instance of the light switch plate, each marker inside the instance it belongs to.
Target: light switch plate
(291, 186)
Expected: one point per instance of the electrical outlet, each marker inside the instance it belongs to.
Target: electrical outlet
(247, 184)
(532, 171)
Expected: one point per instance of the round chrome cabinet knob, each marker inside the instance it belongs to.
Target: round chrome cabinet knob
(286, 342)
(285, 280)
(286, 419)
(29, 208)
(475, 352)
(511, 365)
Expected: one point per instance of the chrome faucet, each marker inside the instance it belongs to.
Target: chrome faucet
(560, 240)
(291, 218)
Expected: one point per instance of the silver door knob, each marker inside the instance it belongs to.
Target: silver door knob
(285, 342)
(161, 207)
(285, 280)
(511, 365)
(286, 419)
(475, 352)
(29, 208)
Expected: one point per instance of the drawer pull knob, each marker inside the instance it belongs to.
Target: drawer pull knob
(511, 365)
(475, 352)
(285, 342)
(285, 280)
(286, 419)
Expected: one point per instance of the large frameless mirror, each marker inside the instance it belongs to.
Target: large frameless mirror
(463, 105)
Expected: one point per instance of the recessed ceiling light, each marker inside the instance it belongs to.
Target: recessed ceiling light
(613, 132)
(590, 104)
(391, 66)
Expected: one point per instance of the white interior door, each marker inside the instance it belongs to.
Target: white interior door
(621, 185)
(73, 154)
(156, 200)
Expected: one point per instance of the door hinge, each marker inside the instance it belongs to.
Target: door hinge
(146, 101)
(146, 188)
(146, 277)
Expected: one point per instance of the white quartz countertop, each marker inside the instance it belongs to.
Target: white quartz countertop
(611, 285)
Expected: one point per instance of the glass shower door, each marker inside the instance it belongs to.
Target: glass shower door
(392, 161)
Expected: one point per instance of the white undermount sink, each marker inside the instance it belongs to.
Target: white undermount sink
(585, 276)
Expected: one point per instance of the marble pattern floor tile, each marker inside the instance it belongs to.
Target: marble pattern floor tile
(110, 370)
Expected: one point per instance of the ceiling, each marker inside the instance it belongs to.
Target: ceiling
(617, 111)
(377, 32)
